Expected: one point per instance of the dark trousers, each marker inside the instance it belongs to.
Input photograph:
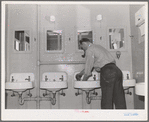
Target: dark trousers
(111, 81)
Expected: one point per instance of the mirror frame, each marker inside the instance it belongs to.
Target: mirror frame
(45, 37)
(77, 50)
(125, 40)
(31, 40)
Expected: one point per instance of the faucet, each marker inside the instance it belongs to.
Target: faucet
(28, 78)
(127, 76)
(46, 79)
(62, 78)
(94, 77)
(12, 79)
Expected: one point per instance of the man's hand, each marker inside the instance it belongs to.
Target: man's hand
(78, 77)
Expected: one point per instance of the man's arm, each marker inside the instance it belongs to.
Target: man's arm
(82, 72)
(79, 75)
(88, 65)
(86, 77)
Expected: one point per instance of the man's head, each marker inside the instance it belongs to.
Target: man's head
(84, 43)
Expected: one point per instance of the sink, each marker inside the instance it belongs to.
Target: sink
(18, 86)
(20, 82)
(140, 88)
(129, 82)
(53, 85)
(54, 81)
(96, 84)
(92, 84)
(86, 85)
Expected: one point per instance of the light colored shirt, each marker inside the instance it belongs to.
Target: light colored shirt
(96, 56)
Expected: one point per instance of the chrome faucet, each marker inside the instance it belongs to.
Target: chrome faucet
(62, 78)
(46, 79)
(94, 77)
(28, 78)
(12, 79)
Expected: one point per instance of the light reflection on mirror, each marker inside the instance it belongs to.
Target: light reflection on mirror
(54, 40)
(84, 34)
(116, 38)
(22, 40)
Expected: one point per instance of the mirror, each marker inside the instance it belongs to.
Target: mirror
(116, 38)
(84, 34)
(22, 40)
(54, 40)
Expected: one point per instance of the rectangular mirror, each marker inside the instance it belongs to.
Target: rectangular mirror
(84, 34)
(116, 38)
(22, 40)
(53, 40)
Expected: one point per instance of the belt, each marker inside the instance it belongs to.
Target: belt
(108, 64)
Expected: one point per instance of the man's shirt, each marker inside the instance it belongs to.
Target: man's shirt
(97, 56)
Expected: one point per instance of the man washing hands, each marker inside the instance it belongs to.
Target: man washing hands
(79, 75)
(98, 58)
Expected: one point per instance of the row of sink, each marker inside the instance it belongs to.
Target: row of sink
(56, 81)
(59, 84)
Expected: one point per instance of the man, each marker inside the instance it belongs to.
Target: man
(111, 83)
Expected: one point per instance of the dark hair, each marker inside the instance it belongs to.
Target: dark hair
(84, 40)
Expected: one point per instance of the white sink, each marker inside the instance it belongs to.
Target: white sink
(53, 85)
(96, 84)
(129, 82)
(140, 88)
(86, 85)
(18, 86)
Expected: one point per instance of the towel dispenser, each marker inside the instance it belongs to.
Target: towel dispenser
(140, 20)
